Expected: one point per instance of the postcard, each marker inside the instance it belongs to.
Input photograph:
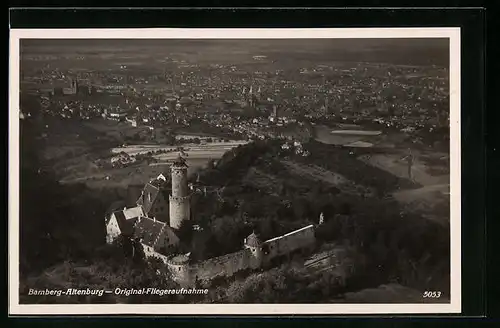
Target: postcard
(234, 171)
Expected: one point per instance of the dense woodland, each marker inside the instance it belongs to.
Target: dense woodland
(63, 229)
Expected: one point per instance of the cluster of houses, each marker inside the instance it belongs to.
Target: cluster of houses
(296, 147)
(122, 159)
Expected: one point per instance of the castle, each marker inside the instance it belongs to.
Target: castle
(150, 224)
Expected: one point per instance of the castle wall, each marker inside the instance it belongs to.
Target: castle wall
(229, 264)
(150, 252)
(283, 245)
(179, 210)
(222, 266)
(226, 265)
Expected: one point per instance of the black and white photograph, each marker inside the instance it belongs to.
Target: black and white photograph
(234, 171)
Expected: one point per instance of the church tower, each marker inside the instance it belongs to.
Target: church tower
(179, 199)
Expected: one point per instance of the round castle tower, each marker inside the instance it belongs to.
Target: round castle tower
(179, 199)
(179, 268)
(254, 244)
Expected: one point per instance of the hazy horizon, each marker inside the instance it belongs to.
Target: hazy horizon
(431, 51)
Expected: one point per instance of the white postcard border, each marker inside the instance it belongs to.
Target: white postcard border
(453, 33)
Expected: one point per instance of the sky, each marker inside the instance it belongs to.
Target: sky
(398, 51)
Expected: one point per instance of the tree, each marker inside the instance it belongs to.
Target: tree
(185, 231)
(125, 245)
(226, 208)
(267, 228)
(300, 208)
(200, 244)
(229, 232)
(328, 211)
(285, 213)
(345, 209)
(214, 247)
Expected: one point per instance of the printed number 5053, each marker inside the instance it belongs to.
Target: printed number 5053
(428, 294)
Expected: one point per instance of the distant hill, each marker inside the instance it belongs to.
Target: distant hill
(395, 51)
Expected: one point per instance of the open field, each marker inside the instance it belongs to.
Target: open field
(395, 164)
(356, 132)
(324, 135)
(53, 152)
(429, 170)
(194, 165)
(314, 172)
(198, 156)
(346, 135)
(117, 130)
(432, 201)
(74, 148)
(358, 136)
(63, 136)
(192, 150)
(121, 177)
(260, 179)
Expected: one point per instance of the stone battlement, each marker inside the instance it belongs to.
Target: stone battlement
(178, 260)
(178, 198)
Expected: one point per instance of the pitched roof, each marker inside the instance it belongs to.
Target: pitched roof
(160, 181)
(134, 192)
(148, 230)
(125, 222)
(133, 212)
(169, 233)
(148, 197)
(115, 206)
(253, 240)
